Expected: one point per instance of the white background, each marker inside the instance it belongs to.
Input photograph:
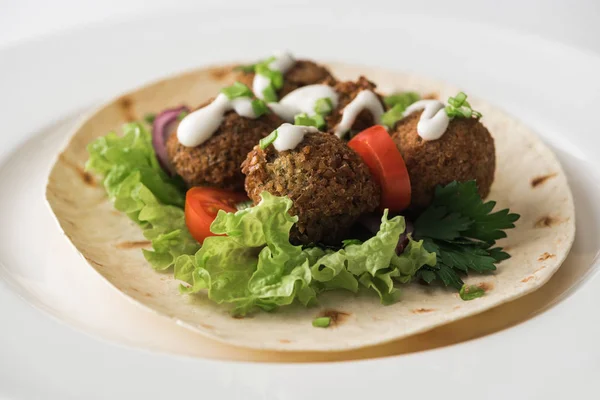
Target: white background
(575, 22)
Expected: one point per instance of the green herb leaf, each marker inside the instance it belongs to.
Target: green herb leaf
(236, 90)
(321, 322)
(460, 228)
(248, 68)
(324, 106)
(259, 107)
(182, 115)
(470, 292)
(149, 118)
(267, 141)
(393, 115)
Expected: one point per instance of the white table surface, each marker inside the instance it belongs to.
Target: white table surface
(572, 22)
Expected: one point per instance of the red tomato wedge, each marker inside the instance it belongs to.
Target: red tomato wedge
(202, 205)
(386, 164)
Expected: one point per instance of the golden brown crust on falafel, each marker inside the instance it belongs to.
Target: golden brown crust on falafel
(347, 91)
(326, 180)
(465, 152)
(302, 73)
(217, 162)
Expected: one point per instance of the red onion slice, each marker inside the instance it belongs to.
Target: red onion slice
(163, 126)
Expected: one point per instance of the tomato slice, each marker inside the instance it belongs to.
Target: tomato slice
(202, 205)
(386, 164)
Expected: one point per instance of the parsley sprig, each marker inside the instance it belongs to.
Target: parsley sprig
(462, 230)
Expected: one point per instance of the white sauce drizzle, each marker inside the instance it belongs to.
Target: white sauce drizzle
(198, 126)
(365, 100)
(289, 136)
(282, 63)
(303, 100)
(433, 121)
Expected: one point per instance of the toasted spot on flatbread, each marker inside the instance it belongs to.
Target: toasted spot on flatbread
(337, 317)
(285, 341)
(140, 244)
(431, 96)
(527, 279)
(126, 105)
(537, 181)
(207, 326)
(486, 286)
(220, 73)
(539, 269)
(86, 177)
(545, 256)
(422, 310)
(547, 221)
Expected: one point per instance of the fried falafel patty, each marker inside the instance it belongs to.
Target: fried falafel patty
(464, 152)
(347, 91)
(217, 162)
(302, 73)
(326, 180)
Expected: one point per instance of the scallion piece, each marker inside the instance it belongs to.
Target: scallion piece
(267, 141)
(324, 106)
(259, 107)
(269, 94)
(149, 118)
(316, 120)
(393, 115)
(403, 98)
(182, 115)
(237, 90)
(459, 107)
(321, 322)
(470, 292)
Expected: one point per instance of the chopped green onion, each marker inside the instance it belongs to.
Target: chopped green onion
(237, 90)
(276, 77)
(182, 115)
(259, 107)
(349, 242)
(316, 120)
(149, 118)
(393, 115)
(324, 106)
(403, 98)
(470, 292)
(267, 141)
(244, 205)
(459, 107)
(248, 68)
(321, 322)
(269, 94)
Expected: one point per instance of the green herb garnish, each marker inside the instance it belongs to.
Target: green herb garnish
(459, 107)
(316, 120)
(182, 115)
(149, 118)
(403, 98)
(321, 322)
(270, 95)
(237, 90)
(470, 292)
(259, 107)
(249, 68)
(398, 102)
(268, 140)
(324, 106)
(461, 229)
(276, 77)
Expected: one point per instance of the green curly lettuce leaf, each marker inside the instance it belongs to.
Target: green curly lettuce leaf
(137, 186)
(254, 265)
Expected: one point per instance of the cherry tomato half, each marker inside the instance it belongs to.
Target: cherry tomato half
(386, 164)
(202, 205)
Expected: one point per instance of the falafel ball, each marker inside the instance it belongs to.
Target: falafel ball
(217, 162)
(347, 91)
(464, 152)
(328, 183)
(302, 73)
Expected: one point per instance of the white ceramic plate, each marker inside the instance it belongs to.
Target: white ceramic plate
(45, 86)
